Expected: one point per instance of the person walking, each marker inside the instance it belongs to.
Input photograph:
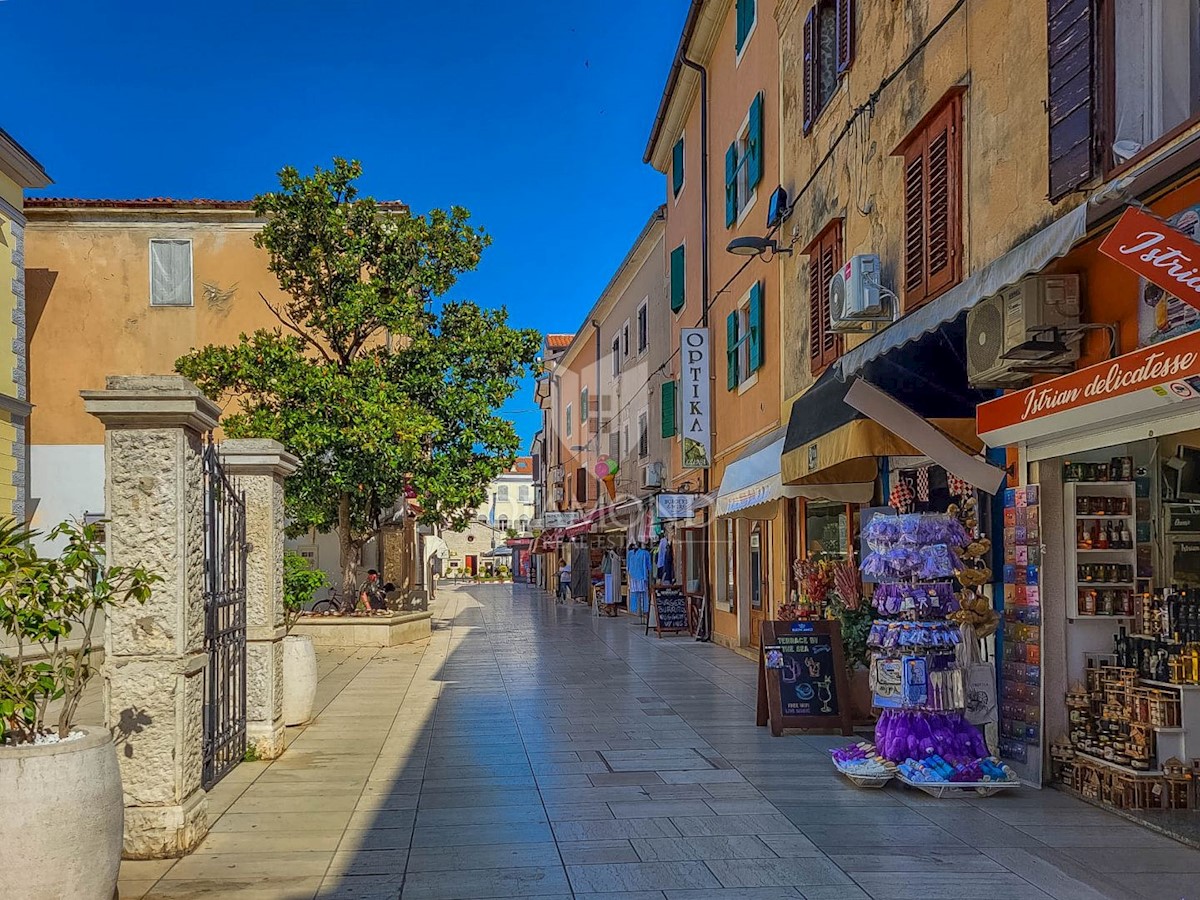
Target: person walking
(581, 571)
(564, 582)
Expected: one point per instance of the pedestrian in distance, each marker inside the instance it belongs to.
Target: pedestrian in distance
(564, 582)
(373, 594)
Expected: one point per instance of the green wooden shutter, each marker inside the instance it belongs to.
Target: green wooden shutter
(731, 351)
(731, 161)
(745, 21)
(756, 327)
(668, 409)
(754, 155)
(677, 167)
(678, 279)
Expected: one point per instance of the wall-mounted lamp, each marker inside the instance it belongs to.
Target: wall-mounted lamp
(755, 246)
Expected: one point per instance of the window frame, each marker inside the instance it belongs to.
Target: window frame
(643, 425)
(642, 317)
(567, 417)
(678, 167)
(191, 279)
(502, 493)
(742, 33)
(745, 196)
(524, 493)
(843, 50)
(616, 356)
(946, 113)
(679, 251)
(585, 416)
(502, 523)
(828, 240)
(625, 342)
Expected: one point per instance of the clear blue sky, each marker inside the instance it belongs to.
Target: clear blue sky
(533, 115)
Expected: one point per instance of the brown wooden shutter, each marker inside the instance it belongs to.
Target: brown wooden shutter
(942, 201)
(816, 322)
(810, 68)
(914, 226)
(1071, 107)
(845, 34)
(829, 265)
(824, 259)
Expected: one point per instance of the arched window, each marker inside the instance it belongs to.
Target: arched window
(502, 523)
(523, 525)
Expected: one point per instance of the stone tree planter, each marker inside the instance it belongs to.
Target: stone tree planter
(63, 820)
(299, 679)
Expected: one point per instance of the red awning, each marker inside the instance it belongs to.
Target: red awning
(546, 541)
(583, 526)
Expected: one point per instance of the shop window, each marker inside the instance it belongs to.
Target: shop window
(757, 570)
(824, 259)
(727, 571)
(695, 560)
(826, 529)
(932, 198)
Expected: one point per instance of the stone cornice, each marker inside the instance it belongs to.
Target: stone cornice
(257, 456)
(152, 401)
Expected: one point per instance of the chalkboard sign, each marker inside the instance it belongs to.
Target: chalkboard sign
(802, 679)
(670, 608)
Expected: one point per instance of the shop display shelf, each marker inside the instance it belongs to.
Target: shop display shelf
(1163, 729)
(940, 790)
(1082, 617)
(1106, 516)
(1168, 684)
(1129, 770)
(1106, 584)
(1105, 550)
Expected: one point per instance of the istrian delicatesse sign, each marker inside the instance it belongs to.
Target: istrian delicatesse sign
(1158, 253)
(1159, 375)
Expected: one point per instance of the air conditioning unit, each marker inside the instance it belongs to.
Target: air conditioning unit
(1000, 327)
(652, 475)
(855, 297)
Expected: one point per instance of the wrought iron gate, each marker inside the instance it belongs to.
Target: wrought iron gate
(225, 620)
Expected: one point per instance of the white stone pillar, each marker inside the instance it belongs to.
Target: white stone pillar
(154, 653)
(259, 468)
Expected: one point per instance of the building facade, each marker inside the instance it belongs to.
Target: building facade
(18, 172)
(507, 513)
(717, 139)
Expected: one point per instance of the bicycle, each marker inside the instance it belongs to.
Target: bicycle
(335, 603)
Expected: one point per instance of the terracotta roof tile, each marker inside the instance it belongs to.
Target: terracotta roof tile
(559, 341)
(156, 203)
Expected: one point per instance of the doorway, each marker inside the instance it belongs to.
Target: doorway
(758, 575)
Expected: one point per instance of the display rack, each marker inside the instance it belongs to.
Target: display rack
(1108, 599)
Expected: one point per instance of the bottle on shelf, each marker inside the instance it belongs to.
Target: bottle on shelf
(1101, 536)
(1126, 535)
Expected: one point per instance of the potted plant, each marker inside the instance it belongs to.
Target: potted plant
(63, 803)
(300, 582)
(854, 615)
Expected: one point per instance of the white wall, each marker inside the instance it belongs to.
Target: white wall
(65, 481)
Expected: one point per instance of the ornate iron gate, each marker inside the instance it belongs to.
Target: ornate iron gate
(225, 620)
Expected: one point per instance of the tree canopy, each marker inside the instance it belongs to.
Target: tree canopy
(377, 385)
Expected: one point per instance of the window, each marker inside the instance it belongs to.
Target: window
(824, 258)
(567, 495)
(744, 336)
(828, 53)
(746, 13)
(581, 485)
(643, 327)
(522, 525)
(625, 340)
(584, 412)
(669, 425)
(502, 492)
(827, 528)
(677, 168)
(625, 440)
(678, 279)
(728, 575)
(643, 435)
(568, 420)
(743, 163)
(616, 357)
(170, 273)
(524, 494)
(932, 195)
(502, 523)
(614, 445)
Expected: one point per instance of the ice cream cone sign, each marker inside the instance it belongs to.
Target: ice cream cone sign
(606, 471)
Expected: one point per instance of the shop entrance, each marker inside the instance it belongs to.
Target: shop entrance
(758, 549)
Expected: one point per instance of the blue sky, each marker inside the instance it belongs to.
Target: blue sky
(533, 115)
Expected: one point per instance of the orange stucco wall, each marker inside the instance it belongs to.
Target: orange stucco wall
(89, 310)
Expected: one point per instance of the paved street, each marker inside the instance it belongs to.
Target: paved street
(529, 749)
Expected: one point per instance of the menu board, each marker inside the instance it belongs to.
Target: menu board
(1020, 674)
(802, 679)
(670, 608)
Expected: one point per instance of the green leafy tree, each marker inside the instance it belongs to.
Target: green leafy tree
(377, 388)
(300, 582)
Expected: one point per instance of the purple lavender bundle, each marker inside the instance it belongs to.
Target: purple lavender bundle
(905, 734)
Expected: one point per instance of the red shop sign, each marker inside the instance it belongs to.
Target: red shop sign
(1157, 252)
(1158, 375)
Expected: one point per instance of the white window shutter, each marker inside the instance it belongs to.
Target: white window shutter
(170, 273)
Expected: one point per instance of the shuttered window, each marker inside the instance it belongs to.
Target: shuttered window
(932, 204)
(677, 168)
(828, 53)
(824, 258)
(581, 485)
(746, 11)
(170, 273)
(756, 337)
(732, 373)
(669, 426)
(1072, 91)
(643, 435)
(744, 162)
(678, 279)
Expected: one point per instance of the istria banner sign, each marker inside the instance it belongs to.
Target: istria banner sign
(695, 396)
(1157, 252)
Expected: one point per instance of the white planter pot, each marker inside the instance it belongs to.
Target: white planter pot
(299, 679)
(64, 818)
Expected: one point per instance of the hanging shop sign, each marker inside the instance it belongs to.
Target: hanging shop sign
(1159, 375)
(1160, 254)
(676, 506)
(1161, 315)
(561, 519)
(695, 362)
(802, 679)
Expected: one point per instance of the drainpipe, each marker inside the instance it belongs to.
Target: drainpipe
(599, 406)
(704, 284)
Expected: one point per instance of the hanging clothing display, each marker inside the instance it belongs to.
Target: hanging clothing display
(611, 567)
(666, 562)
(639, 580)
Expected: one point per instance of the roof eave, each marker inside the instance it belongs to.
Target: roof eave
(18, 164)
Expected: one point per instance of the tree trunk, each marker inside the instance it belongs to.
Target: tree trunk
(350, 553)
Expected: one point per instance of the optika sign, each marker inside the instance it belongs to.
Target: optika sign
(695, 398)
(1164, 373)
(1157, 252)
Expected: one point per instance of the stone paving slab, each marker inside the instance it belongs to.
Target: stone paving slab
(529, 750)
